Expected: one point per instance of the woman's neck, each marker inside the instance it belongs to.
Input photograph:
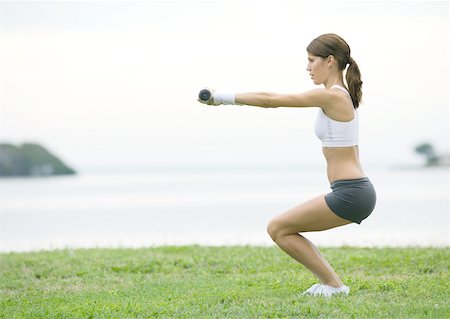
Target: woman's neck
(338, 79)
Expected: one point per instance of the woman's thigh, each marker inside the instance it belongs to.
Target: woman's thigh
(313, 215)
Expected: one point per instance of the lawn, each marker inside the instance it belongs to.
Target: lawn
(221, 282)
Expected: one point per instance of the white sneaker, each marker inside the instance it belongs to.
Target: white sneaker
(327, 291)
(312, 289)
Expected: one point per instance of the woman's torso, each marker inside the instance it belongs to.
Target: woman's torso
(340, 140)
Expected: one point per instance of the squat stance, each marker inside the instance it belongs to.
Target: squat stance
(353, 197)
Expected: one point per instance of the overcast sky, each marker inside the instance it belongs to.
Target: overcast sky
(115, 83)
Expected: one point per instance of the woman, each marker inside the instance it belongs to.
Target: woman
(353, 197)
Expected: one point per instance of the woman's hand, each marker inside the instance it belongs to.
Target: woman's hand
(209, 101)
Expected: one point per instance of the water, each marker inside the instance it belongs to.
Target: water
(211, 207)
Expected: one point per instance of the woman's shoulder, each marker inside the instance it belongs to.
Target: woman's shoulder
(340, 107)
(334, 93)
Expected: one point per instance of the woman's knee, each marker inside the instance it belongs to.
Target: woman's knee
(275, 229)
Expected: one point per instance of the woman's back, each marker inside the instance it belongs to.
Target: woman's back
(342, 163)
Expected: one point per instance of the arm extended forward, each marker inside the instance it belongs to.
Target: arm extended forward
(313, 98)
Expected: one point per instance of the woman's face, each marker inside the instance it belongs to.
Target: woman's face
(317, 69)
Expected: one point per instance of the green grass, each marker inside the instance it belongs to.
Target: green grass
(221, 282)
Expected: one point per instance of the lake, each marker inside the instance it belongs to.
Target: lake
(211, 207)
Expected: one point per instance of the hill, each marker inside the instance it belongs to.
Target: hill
(30, 159)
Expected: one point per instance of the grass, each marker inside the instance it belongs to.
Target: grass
(221, 282)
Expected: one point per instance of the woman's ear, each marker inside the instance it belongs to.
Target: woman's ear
(330, 60)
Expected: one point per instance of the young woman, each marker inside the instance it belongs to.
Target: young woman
(353, 196)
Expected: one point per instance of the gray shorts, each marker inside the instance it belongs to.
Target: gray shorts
(352, 199)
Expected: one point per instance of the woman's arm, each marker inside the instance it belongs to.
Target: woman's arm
(323, 98)
(314, 98)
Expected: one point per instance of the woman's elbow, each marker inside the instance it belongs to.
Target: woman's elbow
(269, 100)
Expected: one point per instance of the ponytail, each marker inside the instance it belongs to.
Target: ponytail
(354, 83)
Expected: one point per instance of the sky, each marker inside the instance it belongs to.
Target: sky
(114, 83)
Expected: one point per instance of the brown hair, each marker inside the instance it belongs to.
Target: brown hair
(332, 44)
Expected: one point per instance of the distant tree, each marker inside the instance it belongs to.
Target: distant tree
(428, 151)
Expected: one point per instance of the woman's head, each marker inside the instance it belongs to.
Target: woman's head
(331, 45)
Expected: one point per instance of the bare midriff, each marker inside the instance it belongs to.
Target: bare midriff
(342, 163)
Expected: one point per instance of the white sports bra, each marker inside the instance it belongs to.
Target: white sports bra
(334, 133)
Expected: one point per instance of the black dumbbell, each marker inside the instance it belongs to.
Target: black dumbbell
(204, 95)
